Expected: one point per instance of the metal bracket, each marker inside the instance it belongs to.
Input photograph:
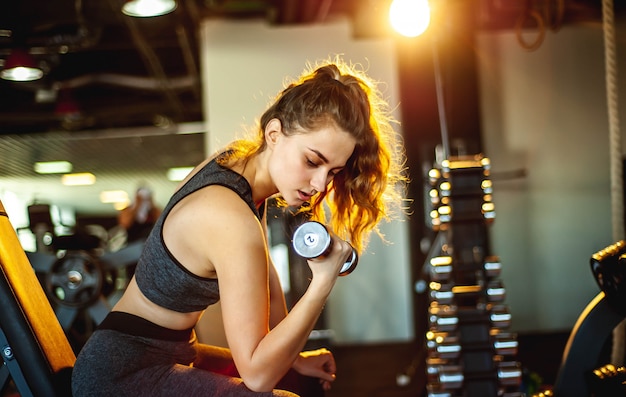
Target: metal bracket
(13, 367)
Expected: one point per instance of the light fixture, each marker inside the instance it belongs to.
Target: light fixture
(410, 18)
(52, 167)
(20, 66)
(79, 179)
(148, 8)
(113, 196)
(66, 106)
(68, 111)
(177, 174)
(119, 198)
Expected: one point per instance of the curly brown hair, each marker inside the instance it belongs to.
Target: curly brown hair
(372, 184)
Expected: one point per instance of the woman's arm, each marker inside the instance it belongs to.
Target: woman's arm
(278, 305)
(318, 363)
(237, 249)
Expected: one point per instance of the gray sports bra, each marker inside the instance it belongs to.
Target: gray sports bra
(160, 276)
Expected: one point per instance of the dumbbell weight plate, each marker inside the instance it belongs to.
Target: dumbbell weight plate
(350, 264)
(312, 240)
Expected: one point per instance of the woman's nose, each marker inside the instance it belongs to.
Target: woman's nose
(318, 182)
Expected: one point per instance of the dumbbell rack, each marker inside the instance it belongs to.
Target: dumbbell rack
(469, 352)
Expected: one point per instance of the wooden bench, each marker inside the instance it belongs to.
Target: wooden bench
(36, 352)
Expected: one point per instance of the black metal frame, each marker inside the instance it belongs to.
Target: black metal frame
(584, 346)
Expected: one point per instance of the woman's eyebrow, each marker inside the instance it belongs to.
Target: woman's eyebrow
(320, 155)
(324, 159)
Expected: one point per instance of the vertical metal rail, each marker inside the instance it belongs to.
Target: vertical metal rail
(441, 106)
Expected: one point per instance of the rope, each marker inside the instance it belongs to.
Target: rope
(615, 149)
(545, 17)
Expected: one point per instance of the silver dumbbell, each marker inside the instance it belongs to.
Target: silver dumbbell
(312, 240)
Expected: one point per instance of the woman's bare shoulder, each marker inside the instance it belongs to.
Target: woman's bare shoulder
(211, 226)
(213, 204)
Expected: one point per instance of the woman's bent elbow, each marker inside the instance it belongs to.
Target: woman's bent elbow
(259, 384)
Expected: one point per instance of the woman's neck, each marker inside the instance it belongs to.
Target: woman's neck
(255, 171)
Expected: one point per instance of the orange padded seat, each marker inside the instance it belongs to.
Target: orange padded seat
(29, 324)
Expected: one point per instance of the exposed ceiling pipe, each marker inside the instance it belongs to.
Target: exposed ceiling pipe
(190, 63)
(47, 93)
(142, 83)
(141, 111)
(55, 42)
(152, 62)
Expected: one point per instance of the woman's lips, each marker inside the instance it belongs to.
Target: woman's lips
(303, 196)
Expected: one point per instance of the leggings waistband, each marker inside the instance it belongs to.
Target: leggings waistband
(134, 325)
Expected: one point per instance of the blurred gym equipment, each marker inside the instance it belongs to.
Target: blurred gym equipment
(469, 352)
(586, 369)
(82, 279)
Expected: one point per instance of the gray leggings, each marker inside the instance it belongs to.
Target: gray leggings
(129, 356)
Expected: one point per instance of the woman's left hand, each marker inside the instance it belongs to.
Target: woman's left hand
(318, 363)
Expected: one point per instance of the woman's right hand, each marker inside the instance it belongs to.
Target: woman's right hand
(329, 265)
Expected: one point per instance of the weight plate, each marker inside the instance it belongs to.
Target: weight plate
(311, 239)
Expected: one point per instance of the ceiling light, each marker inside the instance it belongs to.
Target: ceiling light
(52, 167)
(148, 8)
(80, 179)
(114, 196)
(178, 173)
(410, 18)
(120, 206)
(66, 105)
(20, 66)
(45, 95)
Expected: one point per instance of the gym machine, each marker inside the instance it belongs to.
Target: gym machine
(585, 370)
(37, 356)
(82, 279)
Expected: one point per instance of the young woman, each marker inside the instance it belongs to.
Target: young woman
(326, 145)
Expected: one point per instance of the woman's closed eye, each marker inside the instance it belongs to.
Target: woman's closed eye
(311, 163)
(333, 173)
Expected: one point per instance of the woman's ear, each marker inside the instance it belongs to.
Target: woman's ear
(273, 131)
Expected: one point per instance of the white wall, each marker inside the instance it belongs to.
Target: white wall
(545, 112)
(244, 65)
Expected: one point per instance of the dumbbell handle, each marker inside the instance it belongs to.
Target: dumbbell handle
(312, 240)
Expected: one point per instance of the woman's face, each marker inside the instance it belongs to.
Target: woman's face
(302, 165)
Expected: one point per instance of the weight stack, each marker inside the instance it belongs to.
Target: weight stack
(469, 351)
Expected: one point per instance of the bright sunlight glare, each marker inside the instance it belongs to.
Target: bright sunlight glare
(410, 18)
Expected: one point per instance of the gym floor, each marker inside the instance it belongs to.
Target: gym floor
(372, 370)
